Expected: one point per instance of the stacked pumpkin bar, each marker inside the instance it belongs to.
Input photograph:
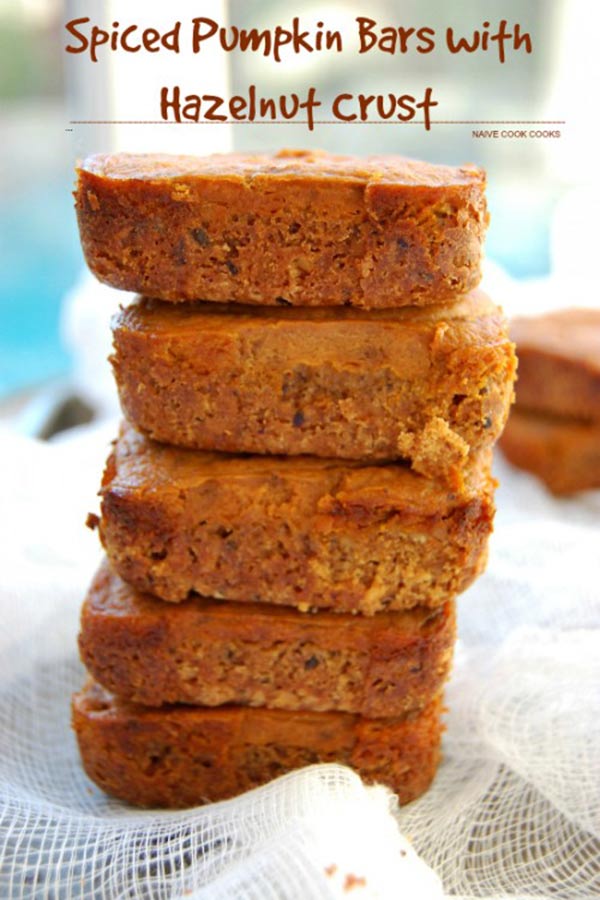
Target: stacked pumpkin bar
(554, 428)
(302, 486)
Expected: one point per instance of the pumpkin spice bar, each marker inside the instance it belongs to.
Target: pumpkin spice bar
(209, 653)
(179, 756)
(299, 227)
(554, 429)
(559, 363)
(296, 531)
(563, 453)
(429, 385)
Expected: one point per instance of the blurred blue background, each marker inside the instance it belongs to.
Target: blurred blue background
(39, 254)
(40, 260)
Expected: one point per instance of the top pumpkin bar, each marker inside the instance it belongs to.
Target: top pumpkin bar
(298, 228)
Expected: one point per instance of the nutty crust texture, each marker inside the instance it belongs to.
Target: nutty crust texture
(563, 453)
(211, 653)
(299, 227)
(180, 756)
(431, 386)
(297, 531)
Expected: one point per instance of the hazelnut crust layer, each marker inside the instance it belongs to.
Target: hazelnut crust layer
(559, 363)
(181, 756)
(563, 453)
(430, 385)
(297, 531)
(299, 227)
(209, 653)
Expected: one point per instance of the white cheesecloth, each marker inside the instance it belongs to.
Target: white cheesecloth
(514, 811)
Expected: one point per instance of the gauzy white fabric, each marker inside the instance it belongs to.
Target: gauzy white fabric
(515, 808)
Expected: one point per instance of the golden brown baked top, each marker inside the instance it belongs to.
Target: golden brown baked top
(148, 467)
(384, 634)
(309, 165)
(256, 725)
(475, 307)
(415, 342)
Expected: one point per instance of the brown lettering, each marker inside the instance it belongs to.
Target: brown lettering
(198, 35)
(336, 108)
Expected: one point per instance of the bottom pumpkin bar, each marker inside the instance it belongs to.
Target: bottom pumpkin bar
(180, 756)
(563, 453)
